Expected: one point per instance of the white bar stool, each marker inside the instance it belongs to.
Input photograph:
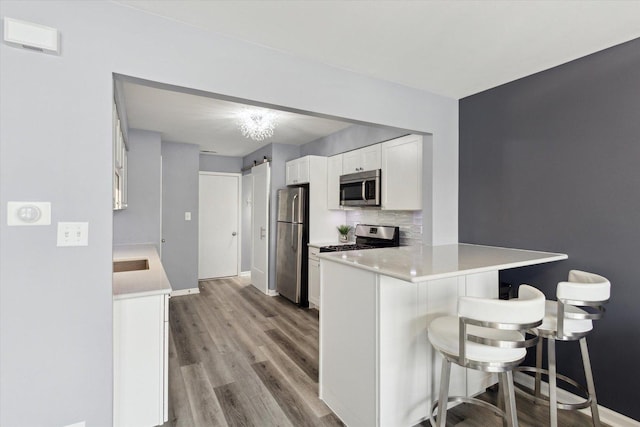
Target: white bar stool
(580, 301)
(487, 335)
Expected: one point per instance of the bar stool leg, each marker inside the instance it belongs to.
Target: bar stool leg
(595, 415)
(553, 396)
(444, 392)
(538, 392)
(507, 388)
(500, 398)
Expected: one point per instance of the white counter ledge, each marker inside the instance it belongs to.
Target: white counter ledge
(422, 263)
(139, 283)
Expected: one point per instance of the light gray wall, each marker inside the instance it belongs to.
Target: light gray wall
(245, 223)
(212, 163)
(550, 162)
(140, 221)
(56, 137)
(347, 139)
(180, 181)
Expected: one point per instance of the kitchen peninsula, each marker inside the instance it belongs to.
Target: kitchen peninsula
(377, 367)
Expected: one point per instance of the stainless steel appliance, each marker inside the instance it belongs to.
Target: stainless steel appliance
(369, 237)
(291, 244)
(360, 189)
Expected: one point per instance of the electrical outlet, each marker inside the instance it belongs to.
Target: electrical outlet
(73, 234)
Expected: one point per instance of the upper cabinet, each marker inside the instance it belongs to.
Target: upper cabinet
(298, 171)
(119, 164)
(312, 170)
(334, 170)
(402, 173)
(363, 159)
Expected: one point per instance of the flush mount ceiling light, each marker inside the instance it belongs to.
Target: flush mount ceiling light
(257, 123)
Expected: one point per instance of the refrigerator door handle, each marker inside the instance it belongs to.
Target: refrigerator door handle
(294, 240)
(293, 209)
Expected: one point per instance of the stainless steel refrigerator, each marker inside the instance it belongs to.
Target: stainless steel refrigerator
(291, 246)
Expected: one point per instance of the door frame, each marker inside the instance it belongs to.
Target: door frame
(238, 219)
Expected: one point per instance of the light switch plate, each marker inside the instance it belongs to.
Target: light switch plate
(187, 216)
(73, 234)
(28, 213)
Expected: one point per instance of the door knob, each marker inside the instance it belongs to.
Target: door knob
(163, 240)
(233, 233)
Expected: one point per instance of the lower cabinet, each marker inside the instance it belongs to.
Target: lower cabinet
(141, 360)
(314, 278)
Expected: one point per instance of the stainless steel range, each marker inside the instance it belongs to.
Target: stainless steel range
(369, 237)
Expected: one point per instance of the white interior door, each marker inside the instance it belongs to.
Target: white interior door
(261, 182)
(219, 196)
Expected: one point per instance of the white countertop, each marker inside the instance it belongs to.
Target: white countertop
(140, 283)
(421, 263)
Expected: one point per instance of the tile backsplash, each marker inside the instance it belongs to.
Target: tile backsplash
(410, 222)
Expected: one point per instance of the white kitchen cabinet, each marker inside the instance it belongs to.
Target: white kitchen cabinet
(141, 360)
(401, 182)
(297, 171)
(312, 170)
(119, 164)
(362, 159)
(314, 277)
(334, 170)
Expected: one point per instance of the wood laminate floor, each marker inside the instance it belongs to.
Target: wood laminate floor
(240, 358)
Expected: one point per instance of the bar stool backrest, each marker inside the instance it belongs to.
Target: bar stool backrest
(518, 315)
(527, 308)
(580, 298)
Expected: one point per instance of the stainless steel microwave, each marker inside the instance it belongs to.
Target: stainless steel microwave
(360, 189)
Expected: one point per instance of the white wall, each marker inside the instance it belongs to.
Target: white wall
(55, 145)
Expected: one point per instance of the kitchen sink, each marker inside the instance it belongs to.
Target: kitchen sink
(130, 265)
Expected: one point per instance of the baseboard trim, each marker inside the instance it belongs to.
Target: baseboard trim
(181, 292)
(245, 274)
(607, 415)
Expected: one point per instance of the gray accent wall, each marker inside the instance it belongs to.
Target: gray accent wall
(140, 221)
(213, 163)
(56, 145)
(180, 181)
(551, 162)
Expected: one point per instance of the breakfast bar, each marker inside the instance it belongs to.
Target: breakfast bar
(377, 367)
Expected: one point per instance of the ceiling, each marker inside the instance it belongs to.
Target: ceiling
(453, 48)
(211, 123)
